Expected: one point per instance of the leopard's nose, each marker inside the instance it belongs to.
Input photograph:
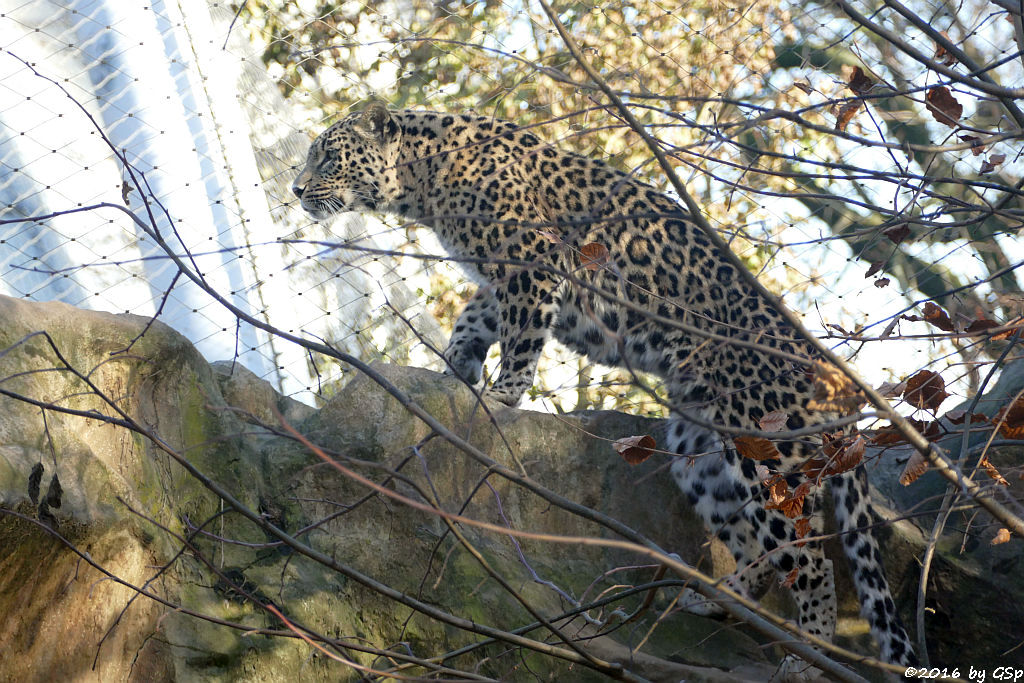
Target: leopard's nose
(297, 190)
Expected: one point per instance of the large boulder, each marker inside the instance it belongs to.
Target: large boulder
(173, 475)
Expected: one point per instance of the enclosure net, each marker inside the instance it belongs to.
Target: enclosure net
(857, 179)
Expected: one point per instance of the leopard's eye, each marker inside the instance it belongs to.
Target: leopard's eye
(325, 157)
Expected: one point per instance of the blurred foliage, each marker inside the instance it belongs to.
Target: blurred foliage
(758, 105)
(496, 58)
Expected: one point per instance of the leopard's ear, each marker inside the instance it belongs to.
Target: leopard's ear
(377, 122)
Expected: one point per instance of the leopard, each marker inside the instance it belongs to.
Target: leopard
(569, 247)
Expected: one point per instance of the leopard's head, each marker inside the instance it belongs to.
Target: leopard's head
(351, 166)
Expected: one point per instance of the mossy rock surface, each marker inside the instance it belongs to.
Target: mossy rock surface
(126, 505)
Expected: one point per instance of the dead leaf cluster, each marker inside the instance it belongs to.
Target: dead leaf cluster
(1010, 419)
(935, 316)
(834, 391)
(789, 503)
(861, 85)
(840, 453)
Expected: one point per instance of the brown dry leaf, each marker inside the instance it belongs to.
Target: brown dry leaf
(1002, 536)
(875, 267)
(831, 443)
(774, 421)
(805, 86)
(802, 526)
(756, 448)
(891, 389)
(934, 315)
(842, 453)
(915, 467)
(1011, 419)
(594, 255)
(801, 491)
(814, 468)
(941, 55)
(943, 106)
(859, 83)
(791, 578)
(882, 282)
(957, 417)
(1010, 331)
(897, 233)
(778, 490)
(834, 391)
(848, 458)
(992, 162)
(886, 436)
(977, 146)
(635, 449)
(992, 472)
(791, 505)
(926, 390)
(981, 326)
(845, 115)
(930, 430)
(978, 327)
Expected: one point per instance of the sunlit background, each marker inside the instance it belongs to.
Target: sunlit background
(214, 104)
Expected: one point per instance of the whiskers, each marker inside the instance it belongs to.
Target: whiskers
(367, 197)
(325, 203)
(322, 207)
(334, 205)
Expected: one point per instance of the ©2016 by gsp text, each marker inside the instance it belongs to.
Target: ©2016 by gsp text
(992, 673)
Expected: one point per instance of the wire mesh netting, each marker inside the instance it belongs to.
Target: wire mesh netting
(204, 131)
(821, 152)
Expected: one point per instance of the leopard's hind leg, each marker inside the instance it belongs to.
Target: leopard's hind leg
(854, 517)
(727, 493)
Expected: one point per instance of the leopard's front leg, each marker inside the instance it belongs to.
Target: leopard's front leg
(526, 307)
(475, 332)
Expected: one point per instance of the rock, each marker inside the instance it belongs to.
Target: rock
(254, 399)
(133, 512)
(62, 616)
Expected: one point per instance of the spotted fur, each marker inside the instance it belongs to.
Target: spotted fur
(517, 212)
